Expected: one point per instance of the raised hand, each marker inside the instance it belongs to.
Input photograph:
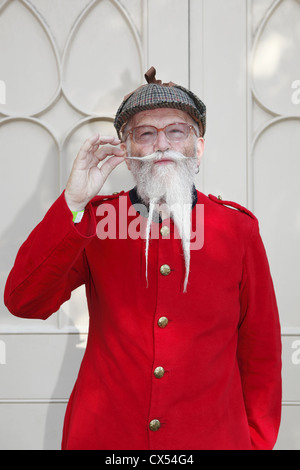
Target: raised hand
(86, 178)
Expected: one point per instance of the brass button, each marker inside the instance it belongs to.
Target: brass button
(165, 270)
(220, 197)
(162, 322)
(116, 192)
(159, 372)
(165, 231)
(154, 425)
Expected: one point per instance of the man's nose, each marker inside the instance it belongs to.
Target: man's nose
(161, 142)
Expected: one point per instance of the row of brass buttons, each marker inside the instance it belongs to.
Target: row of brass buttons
(162, 322)
(165, 268)
(159, 372)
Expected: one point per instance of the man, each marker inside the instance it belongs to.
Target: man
(184, 346)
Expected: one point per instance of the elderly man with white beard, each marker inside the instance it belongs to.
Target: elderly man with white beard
(184, 348)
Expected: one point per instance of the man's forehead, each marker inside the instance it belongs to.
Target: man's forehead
(160, 115)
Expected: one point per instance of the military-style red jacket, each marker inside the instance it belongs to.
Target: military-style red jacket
(163, 369)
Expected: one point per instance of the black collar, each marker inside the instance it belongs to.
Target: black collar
(143, 209)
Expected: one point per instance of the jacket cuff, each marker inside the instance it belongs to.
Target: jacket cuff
(86, 227)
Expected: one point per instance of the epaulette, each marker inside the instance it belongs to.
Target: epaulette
(107, 197)
(231, 204)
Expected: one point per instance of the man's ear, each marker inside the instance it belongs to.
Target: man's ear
(200, 149)
(123, 147)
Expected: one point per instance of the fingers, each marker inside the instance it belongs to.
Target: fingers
(101, 140)
(89, 145)
(104, 152)
(108, 149)
(86, 178)
(92, 145)
(109, 165)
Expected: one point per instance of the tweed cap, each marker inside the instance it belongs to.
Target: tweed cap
(156, 94)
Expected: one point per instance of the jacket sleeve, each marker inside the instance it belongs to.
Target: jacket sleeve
(50, 264)
(259, 346)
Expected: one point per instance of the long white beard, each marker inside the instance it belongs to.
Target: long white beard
(169, 187)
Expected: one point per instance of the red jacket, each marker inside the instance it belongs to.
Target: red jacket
(220, 350)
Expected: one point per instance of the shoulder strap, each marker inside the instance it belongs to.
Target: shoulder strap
(235, 205)
(108, 197)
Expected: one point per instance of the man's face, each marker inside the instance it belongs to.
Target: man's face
(159, 118)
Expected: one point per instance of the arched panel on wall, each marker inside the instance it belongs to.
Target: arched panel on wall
(29, 184)
(274, 141)
(103, 58)
(31, 68)
(276, 57)
(276, 196)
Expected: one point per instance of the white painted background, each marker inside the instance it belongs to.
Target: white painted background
(65, 66)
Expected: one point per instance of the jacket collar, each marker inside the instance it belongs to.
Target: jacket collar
(143, 209)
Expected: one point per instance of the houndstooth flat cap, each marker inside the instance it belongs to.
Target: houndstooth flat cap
(156, 94)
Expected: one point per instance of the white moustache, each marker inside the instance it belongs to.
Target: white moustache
(168, 154)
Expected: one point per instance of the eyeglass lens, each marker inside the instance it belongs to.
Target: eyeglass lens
(148, 134)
